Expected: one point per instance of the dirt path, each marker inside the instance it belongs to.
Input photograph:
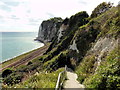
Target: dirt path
(72, 81)
(24, 60)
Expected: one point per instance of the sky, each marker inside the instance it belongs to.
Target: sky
(27, 15)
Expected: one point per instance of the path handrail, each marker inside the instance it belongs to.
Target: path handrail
(59, 77)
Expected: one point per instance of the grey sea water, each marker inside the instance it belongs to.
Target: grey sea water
(13, 44)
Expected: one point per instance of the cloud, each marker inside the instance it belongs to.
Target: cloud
(50, 15)
(34, 22)
(11, 2)
(82, 2)
(7, 4)
(14, 17)
(21, 15)
(6, 8)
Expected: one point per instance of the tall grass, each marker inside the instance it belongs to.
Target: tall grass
(40, 80)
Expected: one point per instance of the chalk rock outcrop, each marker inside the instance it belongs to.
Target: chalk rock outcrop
(48, 29)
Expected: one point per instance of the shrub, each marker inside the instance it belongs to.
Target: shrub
(78, 19)
(6, 72)
(14, 78)
(101, 8)
(29, 63)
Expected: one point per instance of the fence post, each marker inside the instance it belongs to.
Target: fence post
(65, 67)
(57, 85)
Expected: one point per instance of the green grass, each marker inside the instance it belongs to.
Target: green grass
(85, 68)
(108, 74)
(50, 64)
(42, 80)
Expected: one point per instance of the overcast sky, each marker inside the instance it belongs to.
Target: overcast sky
(26, 15)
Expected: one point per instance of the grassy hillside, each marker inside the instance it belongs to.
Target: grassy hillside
(89, 45)
(39, 80)
(107, 75)
(100, 69)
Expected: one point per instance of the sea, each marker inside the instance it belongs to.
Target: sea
(13, 44)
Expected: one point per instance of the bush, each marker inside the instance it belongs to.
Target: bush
(14, 78)
(101, 8)
(78, 19)
(6, 72)
(29, 63)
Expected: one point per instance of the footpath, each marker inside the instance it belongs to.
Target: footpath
(71, 81)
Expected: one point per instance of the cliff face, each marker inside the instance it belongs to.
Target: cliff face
(48, 29)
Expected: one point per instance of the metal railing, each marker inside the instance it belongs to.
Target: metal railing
(61, 79)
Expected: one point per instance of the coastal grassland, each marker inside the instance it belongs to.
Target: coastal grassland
(21, 56)
(39, 80)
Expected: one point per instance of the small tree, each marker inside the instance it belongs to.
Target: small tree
(6, 72)
(29, 63)
(101, 8)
